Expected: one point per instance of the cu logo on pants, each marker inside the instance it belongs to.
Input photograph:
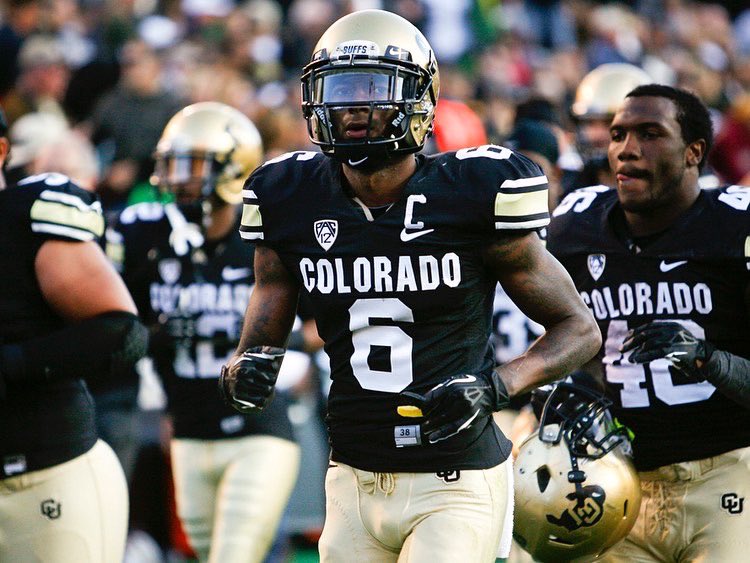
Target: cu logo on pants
(51, 509)
(732, 503)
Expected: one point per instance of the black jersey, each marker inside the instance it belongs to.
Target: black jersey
(42, 423)
(402, 301)
(196, 292)
(695, 273)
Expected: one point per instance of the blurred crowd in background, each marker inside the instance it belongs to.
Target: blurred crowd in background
(88, 86)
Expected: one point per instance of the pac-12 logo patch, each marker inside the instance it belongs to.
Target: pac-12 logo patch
(170, 270)
(587, 510)
(596, 264)
(326, 231)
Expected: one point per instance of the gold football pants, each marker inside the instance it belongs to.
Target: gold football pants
(231, 494)
(692, 511)
(74, 512)
(417, 517)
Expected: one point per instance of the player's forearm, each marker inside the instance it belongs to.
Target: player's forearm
(273, 303)
(268, 321)
(104, 346)
(563, 348)
(730, 374)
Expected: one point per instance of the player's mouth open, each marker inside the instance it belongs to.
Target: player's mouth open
(628, 177)
(356, 130)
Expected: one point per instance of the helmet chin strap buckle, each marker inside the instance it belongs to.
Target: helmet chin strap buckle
(576, 476)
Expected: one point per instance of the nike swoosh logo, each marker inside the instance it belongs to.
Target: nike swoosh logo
(467, 378)
(356, 162)
(407, 236)
(233, 274)
(667, 266)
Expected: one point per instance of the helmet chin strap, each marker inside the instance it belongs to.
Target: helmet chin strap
(206, 208)
(577, 477)
(200, 211)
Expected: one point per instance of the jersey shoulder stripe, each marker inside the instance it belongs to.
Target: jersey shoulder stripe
(62, 209)
(513, 185)
(251, 225)
(522, 204)
(276, 181)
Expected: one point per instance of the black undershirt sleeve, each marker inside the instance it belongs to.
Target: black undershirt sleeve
(730, 374)
(104, 346)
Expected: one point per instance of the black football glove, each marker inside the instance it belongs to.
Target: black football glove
(458, 403)
(247, 382)
(668, 340)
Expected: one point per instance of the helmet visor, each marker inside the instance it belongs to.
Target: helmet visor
(344, 87)
(176, 169)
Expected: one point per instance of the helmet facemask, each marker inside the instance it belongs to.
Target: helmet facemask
(187, 176)
(581, 417)
(361, 114)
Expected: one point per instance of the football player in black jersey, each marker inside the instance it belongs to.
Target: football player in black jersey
(65, 317)
(399, 256)
(191, 275)
(665, 268)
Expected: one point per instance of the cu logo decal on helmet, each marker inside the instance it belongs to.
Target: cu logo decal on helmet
(586, 511)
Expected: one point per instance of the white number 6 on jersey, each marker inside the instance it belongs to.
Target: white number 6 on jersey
(365, 335)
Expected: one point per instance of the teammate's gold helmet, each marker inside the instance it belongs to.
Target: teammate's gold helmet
(211, 142)
(375, 60)
(576, 490)
(603, 89)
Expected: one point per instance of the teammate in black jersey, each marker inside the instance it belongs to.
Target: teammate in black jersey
(665, 268)
(399, 256)
(191, 275)
(65, 317)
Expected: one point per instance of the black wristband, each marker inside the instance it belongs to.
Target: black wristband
(501, 397)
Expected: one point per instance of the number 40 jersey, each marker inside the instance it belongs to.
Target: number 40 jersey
(696, 273)
(402, 299)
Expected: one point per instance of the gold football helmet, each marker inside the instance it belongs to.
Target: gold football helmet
(370, 89)
(210, 142)
(603, 89)
(576, 490)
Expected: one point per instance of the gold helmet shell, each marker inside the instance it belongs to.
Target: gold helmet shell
(603, 89)
(577, 492)
(386, 47)
(211, 141)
